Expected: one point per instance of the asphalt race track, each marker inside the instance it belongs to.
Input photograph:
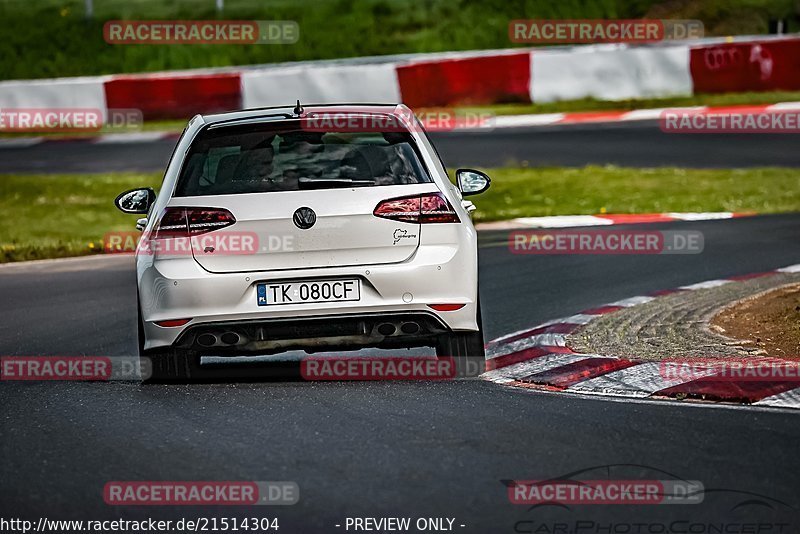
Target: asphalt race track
(433, 449)
(632, 144)
(414, 449)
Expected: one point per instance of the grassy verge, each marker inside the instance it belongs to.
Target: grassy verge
(52, 216)
(590, 190)
(49, 216)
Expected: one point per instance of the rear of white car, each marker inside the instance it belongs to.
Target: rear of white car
(275, 231)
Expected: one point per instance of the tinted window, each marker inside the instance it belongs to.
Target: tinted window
(269, 157)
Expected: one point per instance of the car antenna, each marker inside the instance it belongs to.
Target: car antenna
(298, 109)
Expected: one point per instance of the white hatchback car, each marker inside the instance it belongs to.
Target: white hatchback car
(324, 228)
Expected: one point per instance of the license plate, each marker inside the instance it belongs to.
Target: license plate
(310, 291)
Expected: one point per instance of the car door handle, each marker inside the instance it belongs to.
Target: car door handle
(468, 205)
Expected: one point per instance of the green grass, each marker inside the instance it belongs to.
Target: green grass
(49, 216)
(52, 216)
(587, 191)
(46, 38)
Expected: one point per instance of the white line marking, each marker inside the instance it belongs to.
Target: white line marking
(563, 221)
(133, 137)
(784, 106)
(579, 319)
(656, 113)
(705, 285)
(643, 114)
(708, 216)
(20, 142)
(571, 221)
(790, 269)
(539, 340)
(632, 301)
(787, 399)
(518, 121)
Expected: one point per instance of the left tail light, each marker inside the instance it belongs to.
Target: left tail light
(420, 209)
(187, 222)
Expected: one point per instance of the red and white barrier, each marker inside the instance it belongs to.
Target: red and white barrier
(472, 80)
(374, 83)
(610, 72)
(605, 72)
(772, 65)
(57, 93)
(174, 96)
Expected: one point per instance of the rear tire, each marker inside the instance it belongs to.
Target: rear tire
(466, 348)
(170, 365)
(165, 364)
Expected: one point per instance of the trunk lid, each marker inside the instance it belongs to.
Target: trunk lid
(266, 236)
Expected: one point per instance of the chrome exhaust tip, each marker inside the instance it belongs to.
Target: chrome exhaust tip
(230, 338)
(386, 329)
(207, 340)
(409, 328)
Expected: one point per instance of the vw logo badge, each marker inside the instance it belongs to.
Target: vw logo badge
(304, 218)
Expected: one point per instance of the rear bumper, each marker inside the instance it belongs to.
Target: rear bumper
(178, 288)
(269, 336)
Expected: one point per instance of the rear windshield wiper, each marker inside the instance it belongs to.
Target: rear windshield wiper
(328, 183)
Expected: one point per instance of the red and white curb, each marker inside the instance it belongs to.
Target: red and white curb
(539, 358)
(572, 221)
(500, 122)
(586, 117)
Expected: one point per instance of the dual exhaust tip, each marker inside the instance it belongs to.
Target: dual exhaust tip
(388, 329)
(209, 340)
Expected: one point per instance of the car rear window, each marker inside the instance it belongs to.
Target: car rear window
(259, 158)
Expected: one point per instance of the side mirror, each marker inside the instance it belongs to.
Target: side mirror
(472, 182)
(136, 200)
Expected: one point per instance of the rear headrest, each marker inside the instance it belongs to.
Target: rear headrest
(226, 167)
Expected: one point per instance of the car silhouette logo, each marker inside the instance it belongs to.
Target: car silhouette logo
(304, 218)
